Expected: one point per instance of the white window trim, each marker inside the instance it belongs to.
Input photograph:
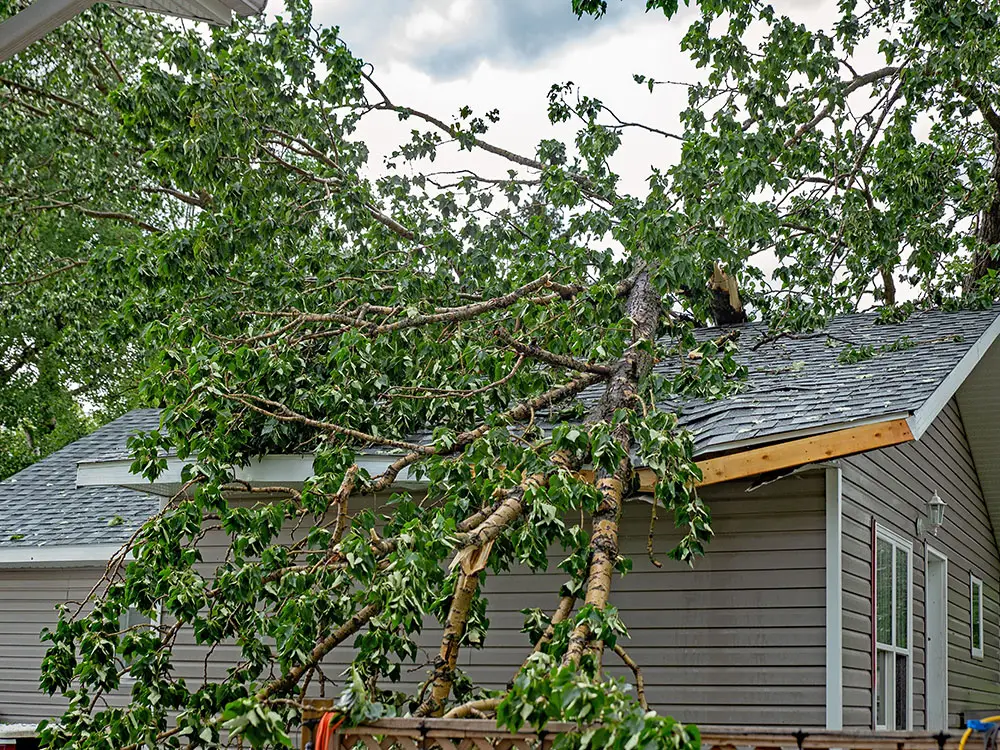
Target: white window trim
(907, 544)
(977, 653)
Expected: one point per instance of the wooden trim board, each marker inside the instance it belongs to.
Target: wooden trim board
(804, 451)
(790, 454)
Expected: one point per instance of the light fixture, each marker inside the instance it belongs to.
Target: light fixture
(935, 515)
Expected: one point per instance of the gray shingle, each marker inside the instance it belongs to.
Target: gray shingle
(797, 383)
(42, 506)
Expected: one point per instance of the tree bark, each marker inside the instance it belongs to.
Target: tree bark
(508, 510)
(643, 308)
(444, 665)
(988, 231)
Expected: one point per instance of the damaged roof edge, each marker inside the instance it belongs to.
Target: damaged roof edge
(292, 469)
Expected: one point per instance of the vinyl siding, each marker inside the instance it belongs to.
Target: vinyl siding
(892, 486)
(738, 640)
(28, 600)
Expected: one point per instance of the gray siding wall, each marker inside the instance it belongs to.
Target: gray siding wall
(738, 640)
(892, 486)
(28, 600)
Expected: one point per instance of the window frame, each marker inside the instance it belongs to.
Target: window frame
(977, 653)
(900, 542)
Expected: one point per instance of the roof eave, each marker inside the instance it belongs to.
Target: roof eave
(925, 415)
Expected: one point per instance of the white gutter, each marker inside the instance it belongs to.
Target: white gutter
(62, 556)
(17, 731)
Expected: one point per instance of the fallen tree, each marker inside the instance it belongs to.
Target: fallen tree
(492, 331)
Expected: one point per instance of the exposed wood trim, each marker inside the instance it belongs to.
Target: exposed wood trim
(738, 446)
(806, 450)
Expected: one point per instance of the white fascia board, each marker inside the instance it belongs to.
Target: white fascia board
(736, 446)
(58, 556)
(246, 7)
(928, 412)
(279, 469)
(35, 21)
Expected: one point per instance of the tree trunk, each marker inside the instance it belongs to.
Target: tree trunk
(506, 511)
(643, 308)
(444, 665)
(988, 231)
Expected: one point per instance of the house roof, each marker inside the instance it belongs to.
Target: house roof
(42, 506)
(801, 384)
(798, 385)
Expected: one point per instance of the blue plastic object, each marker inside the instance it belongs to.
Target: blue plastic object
(979, 726)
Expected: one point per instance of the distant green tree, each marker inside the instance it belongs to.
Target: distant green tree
(69, 333)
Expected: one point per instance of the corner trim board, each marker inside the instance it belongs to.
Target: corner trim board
(834, 600)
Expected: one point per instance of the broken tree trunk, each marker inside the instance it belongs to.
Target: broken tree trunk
(643, 308)
(444, 665)
(506, 511)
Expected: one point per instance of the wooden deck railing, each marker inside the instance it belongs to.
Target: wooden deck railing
(483, 734)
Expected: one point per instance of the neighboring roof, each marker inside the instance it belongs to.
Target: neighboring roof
(42, 506)
(43, 16)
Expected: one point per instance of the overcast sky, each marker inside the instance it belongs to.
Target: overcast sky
(438, 55)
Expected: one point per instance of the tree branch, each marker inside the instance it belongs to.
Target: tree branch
(550, 358)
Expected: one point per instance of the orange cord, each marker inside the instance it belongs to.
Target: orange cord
(325, 730)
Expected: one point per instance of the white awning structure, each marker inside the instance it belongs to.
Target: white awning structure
(42, 16)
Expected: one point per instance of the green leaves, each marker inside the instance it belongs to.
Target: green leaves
(607, 716)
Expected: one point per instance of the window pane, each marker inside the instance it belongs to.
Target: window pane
(133, 617)
(902, 683)
(883, 668)
(902, 598)
(977, 617)
(883, 591)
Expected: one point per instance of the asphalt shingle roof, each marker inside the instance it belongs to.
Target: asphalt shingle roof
(42, 506)
(795, 382)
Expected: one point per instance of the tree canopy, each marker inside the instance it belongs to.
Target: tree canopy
(216, 189)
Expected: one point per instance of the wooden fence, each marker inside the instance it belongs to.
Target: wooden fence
(483, 734)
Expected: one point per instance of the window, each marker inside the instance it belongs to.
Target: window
(132, 618)
(976, 615)
(893, 647)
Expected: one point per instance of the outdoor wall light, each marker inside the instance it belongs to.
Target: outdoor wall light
(935, 515)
